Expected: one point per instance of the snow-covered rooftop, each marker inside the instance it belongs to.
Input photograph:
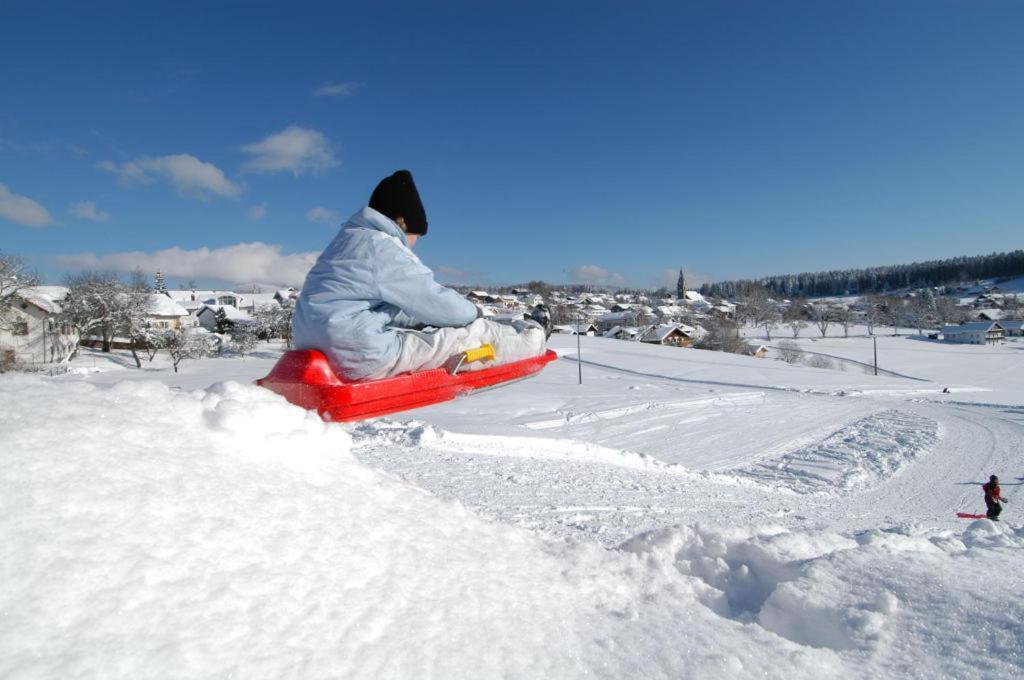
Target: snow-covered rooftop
(230, 312)
(972, 327)
(46, 298)
(161, 305)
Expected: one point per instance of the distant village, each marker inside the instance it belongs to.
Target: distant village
(43, 326)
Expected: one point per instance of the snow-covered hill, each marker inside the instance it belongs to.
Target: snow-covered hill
(680, 514)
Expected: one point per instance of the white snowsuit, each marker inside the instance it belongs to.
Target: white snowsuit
(367, 293)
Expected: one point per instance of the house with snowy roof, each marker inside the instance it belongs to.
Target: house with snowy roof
(34, 334)
(667, 334)
(287, 297)
(987, 314)
(575, 329)
(1012, 329)
(207, 316)
(974, 333)
(164, 313)
(669, 313)
(692, 296)
(610, 320)
(758, 351)
(194, 300)
(482, 296)
(625, 332)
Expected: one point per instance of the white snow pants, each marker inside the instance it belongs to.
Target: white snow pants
(511, 341)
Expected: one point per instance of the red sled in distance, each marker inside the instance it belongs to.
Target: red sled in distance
(305, 378)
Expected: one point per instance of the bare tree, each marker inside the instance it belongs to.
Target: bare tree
(947, 311)
(757, 307)
(890, 312)
(722, 335)
(182, 344)
(844, 317)
(795, 326)
(822, 316)
(131, 310)
(244, 337)
(769, 321)
(871, 308)
(1012, 309)
(795, 316)
(790, 352)
(14, 280)
(897, 313)
(819, 361)
(92, 304)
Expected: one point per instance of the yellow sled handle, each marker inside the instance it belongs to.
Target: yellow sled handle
(481, 353)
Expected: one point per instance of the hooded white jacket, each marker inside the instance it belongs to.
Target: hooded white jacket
(365, 287)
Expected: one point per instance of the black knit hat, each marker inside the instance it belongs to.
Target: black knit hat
(396, 196)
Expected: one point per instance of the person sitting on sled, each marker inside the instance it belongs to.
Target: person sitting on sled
(993, 498)
(368, 300)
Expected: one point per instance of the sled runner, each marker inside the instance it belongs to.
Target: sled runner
(967, 515)
(305, 378)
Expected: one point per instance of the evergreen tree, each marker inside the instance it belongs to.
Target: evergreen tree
(681, 285)
(222, 324)
(158, 283)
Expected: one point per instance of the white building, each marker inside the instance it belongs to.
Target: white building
(33, 335)
(164, 313)
(976, 333)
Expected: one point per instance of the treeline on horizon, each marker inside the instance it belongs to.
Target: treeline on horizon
(881, 279)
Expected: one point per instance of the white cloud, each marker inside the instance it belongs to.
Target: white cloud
(294, 149)
(190, 176)
(86, 210)
(238, 263)
(322, 215)
(336, 89)
(23, 210)
(596, 276)
(257, 212)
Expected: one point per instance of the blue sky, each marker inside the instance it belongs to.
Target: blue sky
(597, 142)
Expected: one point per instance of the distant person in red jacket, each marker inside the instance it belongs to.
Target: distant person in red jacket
(993, 498)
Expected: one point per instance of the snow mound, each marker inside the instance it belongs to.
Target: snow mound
(872, 448)
(146, 532)
(903, 602)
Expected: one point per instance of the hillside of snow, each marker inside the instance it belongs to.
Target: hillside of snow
(681, 514)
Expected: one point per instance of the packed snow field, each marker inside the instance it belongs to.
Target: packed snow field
(679, 514)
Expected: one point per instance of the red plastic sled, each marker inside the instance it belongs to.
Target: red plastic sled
(967, 515)
(305, 378)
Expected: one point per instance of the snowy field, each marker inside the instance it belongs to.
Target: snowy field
(681, 514)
